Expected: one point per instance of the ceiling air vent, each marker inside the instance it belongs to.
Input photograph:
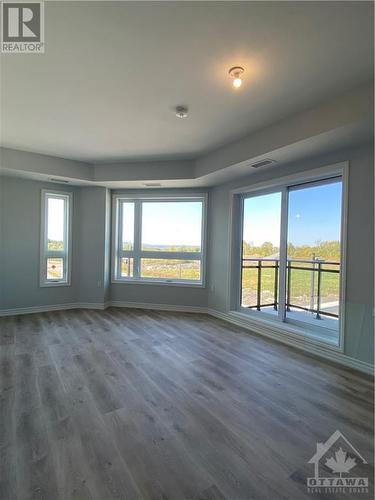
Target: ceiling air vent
(262, 163)
(54, 179)
(152, 184)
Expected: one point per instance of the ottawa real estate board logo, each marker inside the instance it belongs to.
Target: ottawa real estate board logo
(22, 27)
(338, 468)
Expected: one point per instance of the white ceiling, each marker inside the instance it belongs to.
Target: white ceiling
(113, 71)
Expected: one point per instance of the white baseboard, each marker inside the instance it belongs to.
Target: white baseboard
(102, 306)
(299, 343)
(53, 307)
(255, 327)
(158, 307)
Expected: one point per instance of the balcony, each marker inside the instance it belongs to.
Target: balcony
(312, 290)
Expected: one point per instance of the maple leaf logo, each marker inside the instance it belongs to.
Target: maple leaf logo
(341, 463)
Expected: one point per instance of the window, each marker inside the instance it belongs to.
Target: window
(55, 238)
(159, 240)
(291, 254)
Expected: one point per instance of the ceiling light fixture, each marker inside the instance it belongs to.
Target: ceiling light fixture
(236, 73)
(181, 111)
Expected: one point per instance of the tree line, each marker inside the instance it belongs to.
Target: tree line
(324, 250)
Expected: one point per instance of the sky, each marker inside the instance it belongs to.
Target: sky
(165, 223)
(55, 219)
(171, 223)
(314, 214)
(168, 223)
(262, 219)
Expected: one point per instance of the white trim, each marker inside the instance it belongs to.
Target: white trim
(66, 254)
(283, 253)
(175, 196)
(282, 183)
(53, 307)
(269, 330)
(320, 173)
(160, 282)
(344, 244)
(158, 307)
(137, 253)
(299, 342)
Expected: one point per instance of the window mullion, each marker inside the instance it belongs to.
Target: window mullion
(119, 209)
(137, 238)
(283, 254)
(56, 254)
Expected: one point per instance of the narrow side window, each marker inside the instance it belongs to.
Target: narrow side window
(55, 238)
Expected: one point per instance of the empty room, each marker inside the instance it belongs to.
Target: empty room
(187, 250)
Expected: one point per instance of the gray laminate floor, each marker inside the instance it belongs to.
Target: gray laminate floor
(130, 404)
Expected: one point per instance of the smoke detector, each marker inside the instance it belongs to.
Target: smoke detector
(181, 111)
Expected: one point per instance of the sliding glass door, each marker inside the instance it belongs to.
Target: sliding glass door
(291, 256)
(261, 252)
(314, 253)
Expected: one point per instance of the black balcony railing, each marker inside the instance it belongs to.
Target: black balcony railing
(317, 268)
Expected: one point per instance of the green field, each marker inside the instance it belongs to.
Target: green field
(165, 268)
(301, 280)
(300, 287)
(190, 270)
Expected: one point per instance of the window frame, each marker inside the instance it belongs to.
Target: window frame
(65, 254)
(137, 253)
(293, 327)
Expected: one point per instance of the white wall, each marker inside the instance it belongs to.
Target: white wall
(359, 335)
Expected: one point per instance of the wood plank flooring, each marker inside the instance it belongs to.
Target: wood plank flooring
(131, 404)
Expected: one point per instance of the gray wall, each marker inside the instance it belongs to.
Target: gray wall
(359, 334)
(19, 252)
(20, 242)
(161, 294)
(20, 201)
(20, 234)
(93, 245)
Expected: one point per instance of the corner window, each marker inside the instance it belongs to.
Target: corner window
(55, 238)
(159, 240)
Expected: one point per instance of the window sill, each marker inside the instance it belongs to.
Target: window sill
(188, 284)
(54, 283)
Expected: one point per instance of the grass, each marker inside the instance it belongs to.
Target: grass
(300, 287)
(166, 269)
